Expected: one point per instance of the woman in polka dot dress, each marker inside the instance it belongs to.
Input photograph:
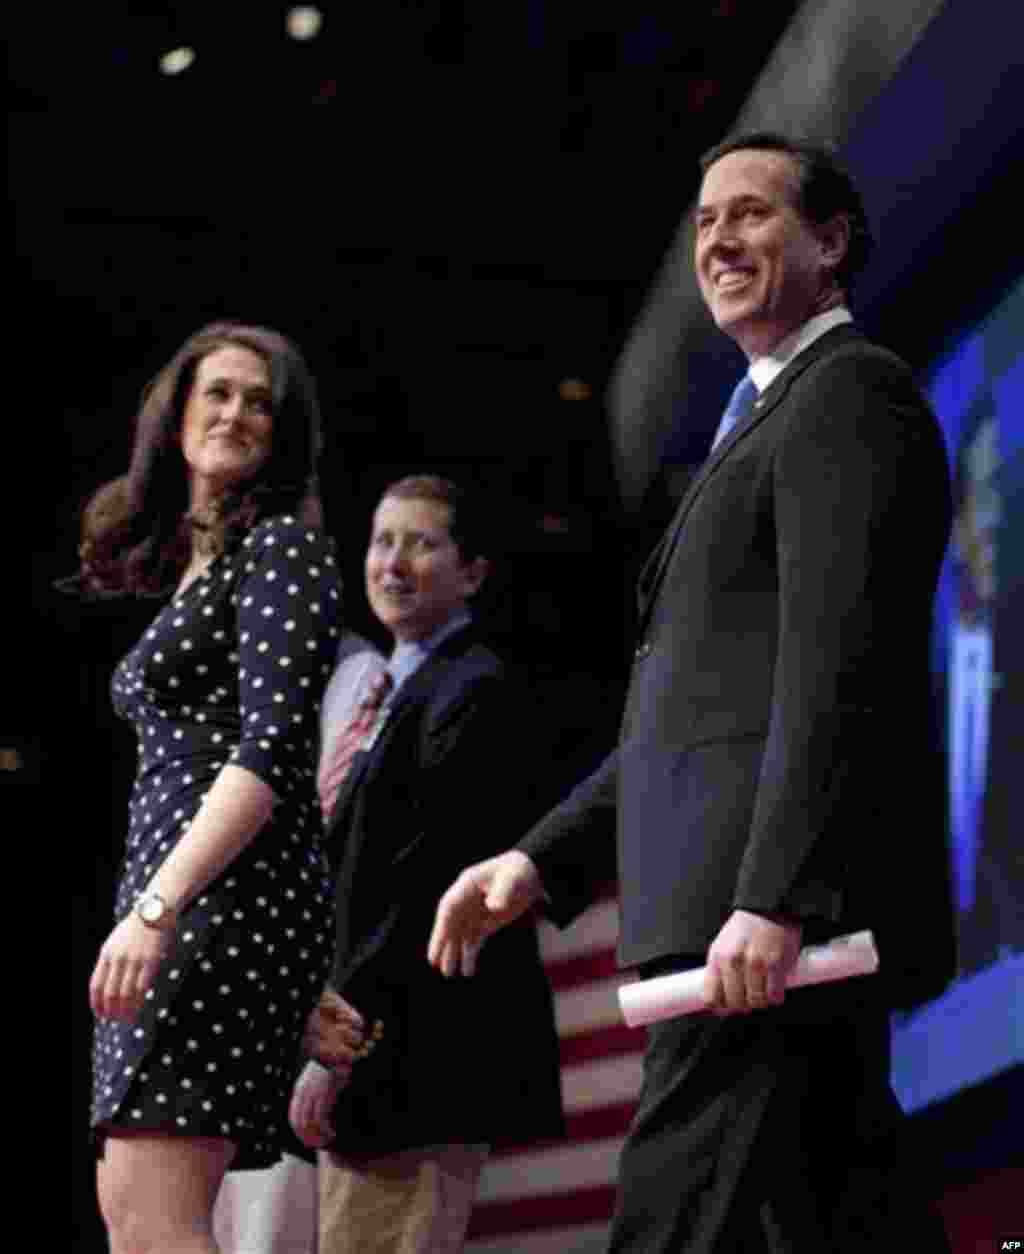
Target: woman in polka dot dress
(224, 913)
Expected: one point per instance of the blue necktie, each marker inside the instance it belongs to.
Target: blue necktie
(743, 396)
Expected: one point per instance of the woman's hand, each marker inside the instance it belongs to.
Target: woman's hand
(126, 967)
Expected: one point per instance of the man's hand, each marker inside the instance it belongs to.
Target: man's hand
(484, 898)
(748, 963)
(334, 1032)
(313, 1099)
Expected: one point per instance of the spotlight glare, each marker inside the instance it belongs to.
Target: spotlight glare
(304, 21)
(177, 60)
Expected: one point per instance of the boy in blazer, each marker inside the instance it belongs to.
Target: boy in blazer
(429, 1074)
(775, 781)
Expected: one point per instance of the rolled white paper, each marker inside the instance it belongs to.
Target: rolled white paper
(666, 996)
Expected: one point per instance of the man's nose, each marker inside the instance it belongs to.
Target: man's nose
(397, 558)
(719, 235)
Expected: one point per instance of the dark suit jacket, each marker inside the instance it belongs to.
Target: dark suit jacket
(447, 782)
(778, 750)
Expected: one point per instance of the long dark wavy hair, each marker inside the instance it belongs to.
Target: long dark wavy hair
(136, 530)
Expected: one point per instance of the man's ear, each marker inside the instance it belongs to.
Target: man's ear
(474, 573)
(834, 237)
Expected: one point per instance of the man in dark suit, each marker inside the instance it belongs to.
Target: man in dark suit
(429, 1074)
(775, 781)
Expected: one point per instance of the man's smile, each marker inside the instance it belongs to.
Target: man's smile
(732, 279)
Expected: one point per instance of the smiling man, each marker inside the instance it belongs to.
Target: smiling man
(775, 781)
(425, 1075)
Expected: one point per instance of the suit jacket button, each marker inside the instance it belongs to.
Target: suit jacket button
(642, 651)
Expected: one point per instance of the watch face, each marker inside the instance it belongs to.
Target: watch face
(151, 909)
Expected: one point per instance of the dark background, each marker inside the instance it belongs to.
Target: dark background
(452, 206)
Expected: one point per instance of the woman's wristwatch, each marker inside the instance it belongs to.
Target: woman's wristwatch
(155, 912)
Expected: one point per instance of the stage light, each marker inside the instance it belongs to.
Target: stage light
(574, 390)
(177, 60)
(304, 21)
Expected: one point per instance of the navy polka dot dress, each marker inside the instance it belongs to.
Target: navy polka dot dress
(230, 671)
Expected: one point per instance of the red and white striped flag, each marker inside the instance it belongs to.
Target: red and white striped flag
(556, 1197)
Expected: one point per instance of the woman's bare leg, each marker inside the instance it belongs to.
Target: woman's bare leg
(157, 1192)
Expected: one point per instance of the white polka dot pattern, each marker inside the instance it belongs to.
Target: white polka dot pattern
(231, 671)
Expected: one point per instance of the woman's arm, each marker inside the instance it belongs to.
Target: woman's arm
(288, 614)
(232, 813)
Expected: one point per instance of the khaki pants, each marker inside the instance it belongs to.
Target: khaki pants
(414, 1202)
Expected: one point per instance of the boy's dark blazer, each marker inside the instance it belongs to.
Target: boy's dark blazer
(778, 749)
(449, 779)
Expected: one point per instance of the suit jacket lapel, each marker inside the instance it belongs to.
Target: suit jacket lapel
(653, 574)
(418, 684)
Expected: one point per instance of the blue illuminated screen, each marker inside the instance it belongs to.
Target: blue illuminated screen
(976, 1030)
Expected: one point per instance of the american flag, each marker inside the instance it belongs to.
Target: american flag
(557, 1197)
